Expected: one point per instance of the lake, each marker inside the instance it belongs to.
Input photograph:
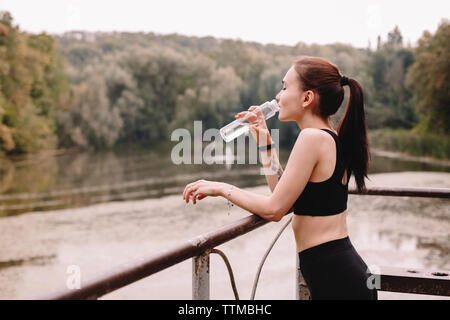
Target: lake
(79, 179)
(98, 210)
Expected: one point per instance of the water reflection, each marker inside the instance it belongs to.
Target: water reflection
(80, 179)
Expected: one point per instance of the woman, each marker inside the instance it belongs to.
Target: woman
(315, 181)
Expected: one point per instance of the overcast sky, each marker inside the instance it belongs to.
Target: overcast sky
(277, 21)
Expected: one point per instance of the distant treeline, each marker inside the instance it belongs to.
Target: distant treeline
(97, 90)
(411, 142)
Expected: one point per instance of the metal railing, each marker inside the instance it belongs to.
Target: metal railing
(199, 249)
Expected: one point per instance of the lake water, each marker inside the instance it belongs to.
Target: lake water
(99, 210)
(79, 179)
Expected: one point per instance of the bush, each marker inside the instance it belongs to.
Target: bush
(411, 142)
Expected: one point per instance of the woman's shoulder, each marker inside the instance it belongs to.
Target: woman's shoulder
(313, 133)
(316, 139)
(309, 138)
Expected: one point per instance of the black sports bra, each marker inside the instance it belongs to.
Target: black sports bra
(327, 197)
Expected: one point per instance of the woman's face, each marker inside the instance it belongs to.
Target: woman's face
(290, 97)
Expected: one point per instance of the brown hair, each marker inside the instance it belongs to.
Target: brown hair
(323, 77)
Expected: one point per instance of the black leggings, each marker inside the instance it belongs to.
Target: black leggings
(334, 270)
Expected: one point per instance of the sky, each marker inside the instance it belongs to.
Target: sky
(288, 22)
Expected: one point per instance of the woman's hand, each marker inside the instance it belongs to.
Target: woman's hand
(258, 126)
(201, 189)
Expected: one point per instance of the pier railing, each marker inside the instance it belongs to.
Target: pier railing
(403, 280)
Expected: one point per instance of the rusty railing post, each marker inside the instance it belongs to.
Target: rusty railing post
(200, 276)
(301, 291)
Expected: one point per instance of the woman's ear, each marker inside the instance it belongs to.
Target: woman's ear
(308, 98)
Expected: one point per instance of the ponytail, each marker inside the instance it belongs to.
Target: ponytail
(353, 135)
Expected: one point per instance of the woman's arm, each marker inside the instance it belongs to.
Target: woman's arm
(252, 202)
(272, 167)
(302, 160)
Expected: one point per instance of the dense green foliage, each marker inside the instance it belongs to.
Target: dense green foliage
(411, 142)
(158, 83)
(390, 103)
(429, 78)
(138, 87)
(33, 87)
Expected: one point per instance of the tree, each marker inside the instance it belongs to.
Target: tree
(390, 103)
(33, 86)
(429, 80)
(90, 121)
(395, 38)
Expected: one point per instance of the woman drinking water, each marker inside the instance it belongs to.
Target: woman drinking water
(315, 180)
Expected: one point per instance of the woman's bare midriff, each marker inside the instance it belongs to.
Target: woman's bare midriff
(310, 231)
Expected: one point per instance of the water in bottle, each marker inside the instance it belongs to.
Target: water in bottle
(241, 125)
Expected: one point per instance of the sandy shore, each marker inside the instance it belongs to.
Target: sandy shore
(38, 247)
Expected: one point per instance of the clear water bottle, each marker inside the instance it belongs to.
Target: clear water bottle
(241, 125)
